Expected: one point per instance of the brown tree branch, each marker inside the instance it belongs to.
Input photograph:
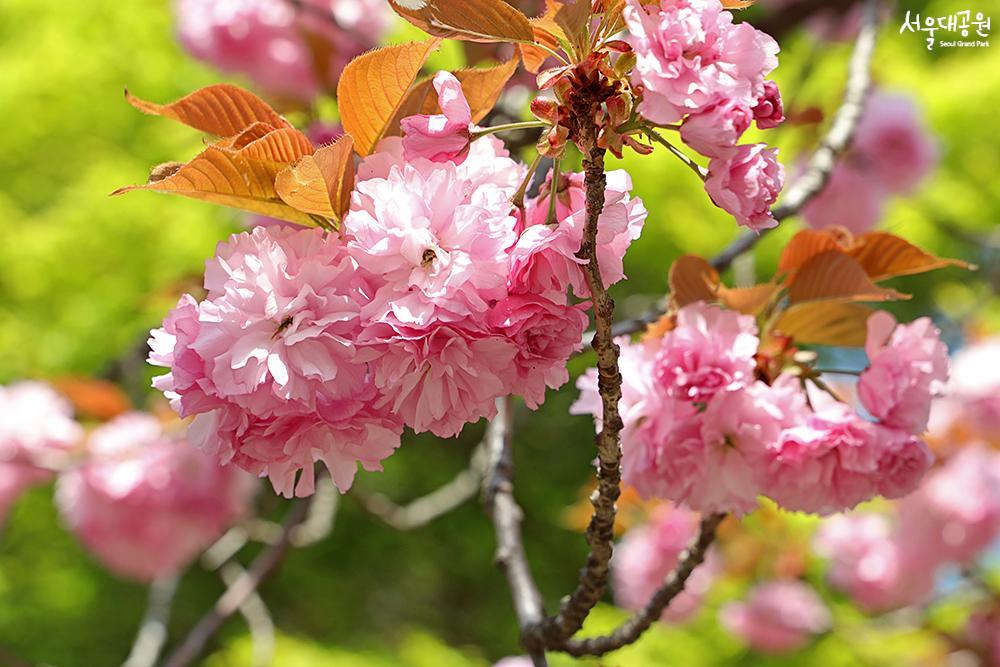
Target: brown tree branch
(242, 588)
(499, 502)
(418, 513)
(817, 173)
(629, 631)
(600, 532)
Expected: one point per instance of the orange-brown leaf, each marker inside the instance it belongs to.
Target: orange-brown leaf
(249, 135)
(573, 16)
(321, 183)
(737, 4)
(885, 255)
(482, 88)
(804, 246)
(470, 20)
(842, 324)
(93, 398)
(279, 148)
(223, 176)
(692, 279)
(748, 300)
(373, 86)
(833, 275)
(223, 109)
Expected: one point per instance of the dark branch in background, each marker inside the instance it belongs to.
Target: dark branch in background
(499, 502)
(152, 633)
(779, 23)
(420, 512)
(812, 181)
(241, 590)
(632, 629)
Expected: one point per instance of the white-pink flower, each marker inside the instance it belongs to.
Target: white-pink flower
(146, 504)
(544, 259)
(649, 552)
(768, 111)
(271, 41)
(746, 184)
(690, 54)
(36, 430)
(435, 243)
(709, 350)
(443, 137)
(544, 334)
(777, 616)
(908, 366)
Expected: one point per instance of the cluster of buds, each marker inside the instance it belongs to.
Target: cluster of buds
(594, 89)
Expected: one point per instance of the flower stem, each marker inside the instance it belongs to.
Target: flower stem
(655, 136)
(508, 127)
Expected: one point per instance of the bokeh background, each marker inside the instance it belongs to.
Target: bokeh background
(83, 277)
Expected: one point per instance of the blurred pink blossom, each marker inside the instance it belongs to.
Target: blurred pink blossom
(287, 51)
(777, 616)
(851, 198)
(146, 504)
(649, 552)
(893, 142)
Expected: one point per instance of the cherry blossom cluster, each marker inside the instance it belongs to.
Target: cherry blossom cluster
(887, 561)
(292, 50)
(777, 616)
(697, 67)
(706, 429)
(892, 152)
(437, 297)
(142, 500)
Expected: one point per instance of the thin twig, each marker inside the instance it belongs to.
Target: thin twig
(812, 181)
(500, 505)
(152, 633)
(420, 512)
(629, 631)
(238, 592)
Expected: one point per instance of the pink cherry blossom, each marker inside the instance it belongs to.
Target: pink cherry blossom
(904, 461)
(715, 131)
(956, 512)
(851, 198)
(270, 40)
(144, 503)
(768, 111)
(827, 464)
(544, 259)
(278, 328)
(443, 378)
(868, 563)
(545, 334)
(708, 351)
(777, 616)
(436, 245)
(443, 137)
(747, 184)
(690, 54)
(340, 434)
(649, 552)
(908, 366)
(893, 142)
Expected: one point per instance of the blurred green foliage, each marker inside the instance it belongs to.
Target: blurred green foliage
(84, 276)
